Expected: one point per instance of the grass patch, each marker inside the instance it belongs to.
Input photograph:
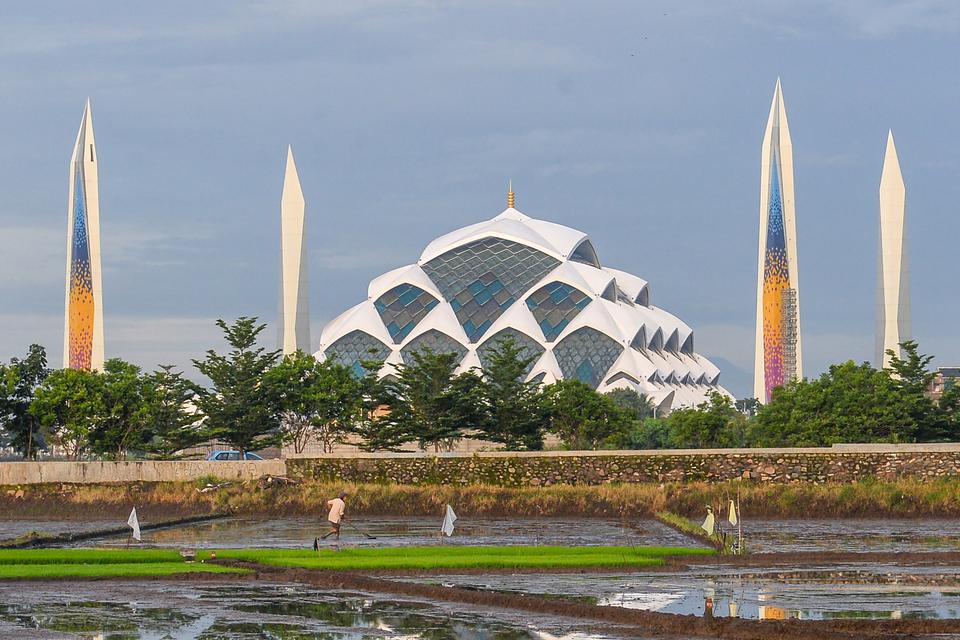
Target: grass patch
(88, 556)
(694, 530)
(906, 497)
(426, 558)
(131, 570)
(98, 563)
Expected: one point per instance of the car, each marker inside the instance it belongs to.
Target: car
(232, 455)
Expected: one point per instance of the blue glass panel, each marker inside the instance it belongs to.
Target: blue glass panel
(587, 354)
(402, 308)
(435, 341)
(355, 347)
(554, 305)
(482, 279)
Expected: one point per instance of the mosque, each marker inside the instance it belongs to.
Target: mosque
(542, 284)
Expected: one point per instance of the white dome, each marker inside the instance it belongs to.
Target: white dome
(541, 283)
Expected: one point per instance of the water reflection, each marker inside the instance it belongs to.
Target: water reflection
(182, 611)
(290, 532)
(887, 535)
(754, 596)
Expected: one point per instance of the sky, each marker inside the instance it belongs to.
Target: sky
(639, 123)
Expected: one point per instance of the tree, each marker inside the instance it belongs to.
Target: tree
(317, 399)
(715, 423)
(239, 408)
(847, 403)
(18, 381)
(911, 376)
(171, 425)
(371, 422)
(429, 404)
(513, 409)
(69, 405)
(581, 417)
(637, 405)
(122, 423)
(651, 433)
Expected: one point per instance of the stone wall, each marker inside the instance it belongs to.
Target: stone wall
(837, 464)
(136, 471)
(842, 463)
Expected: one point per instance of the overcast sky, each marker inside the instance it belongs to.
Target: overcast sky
(638, 123)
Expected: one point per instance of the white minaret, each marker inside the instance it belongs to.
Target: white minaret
(778, 355)
(294, 304)
(83, 310)
(893, 283)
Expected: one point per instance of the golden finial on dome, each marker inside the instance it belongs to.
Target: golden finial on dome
(511, 196)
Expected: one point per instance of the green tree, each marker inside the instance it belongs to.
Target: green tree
(715, 423)
(69, 405)
(847, 403)
(912, 376)
(239, 408)
(18, 381)
(513, 409)
(581, 417)
(638, 405)
(317, 399)
(429, 404)
(122, 423)
(172, 423)
(651, 433)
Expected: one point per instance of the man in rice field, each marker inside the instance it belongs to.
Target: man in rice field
(334, 517)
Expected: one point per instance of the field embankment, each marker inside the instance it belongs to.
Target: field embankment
(901, 498)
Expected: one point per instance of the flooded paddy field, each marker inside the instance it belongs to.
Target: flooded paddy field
(10, 528)
(189, 611)
(402, 531)
(886, 535)
(762, 536)
(837, 592)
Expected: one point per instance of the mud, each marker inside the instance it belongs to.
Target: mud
(640, 623)
(35, 539)
(246, 531)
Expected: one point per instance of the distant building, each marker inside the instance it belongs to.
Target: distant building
(543, 285)
(83, 310)
(778, 357)
(946, 378)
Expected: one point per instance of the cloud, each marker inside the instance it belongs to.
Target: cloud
(31, 256)
(882, 18)
(146, 341)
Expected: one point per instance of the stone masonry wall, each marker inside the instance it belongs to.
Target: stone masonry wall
(843, 464)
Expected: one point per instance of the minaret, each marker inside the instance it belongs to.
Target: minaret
(893, 284)
(778, 355)
(83, 313)
(294, 321)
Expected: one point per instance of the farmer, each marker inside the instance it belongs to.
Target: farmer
(335, 517)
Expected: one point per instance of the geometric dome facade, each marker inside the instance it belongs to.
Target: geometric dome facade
(541, 283)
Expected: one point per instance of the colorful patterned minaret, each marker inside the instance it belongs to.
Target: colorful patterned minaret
(83, 323)
(778, 355)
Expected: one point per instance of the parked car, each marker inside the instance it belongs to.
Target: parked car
(232, 455)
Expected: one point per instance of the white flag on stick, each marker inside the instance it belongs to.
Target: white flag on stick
(708, 523)
(733, 514)
(448, 520)
(134, 524)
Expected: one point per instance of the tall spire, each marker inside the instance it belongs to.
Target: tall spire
(778, 353)
(294, 324)
(83, 308)
(893, 282)
(511, 196)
